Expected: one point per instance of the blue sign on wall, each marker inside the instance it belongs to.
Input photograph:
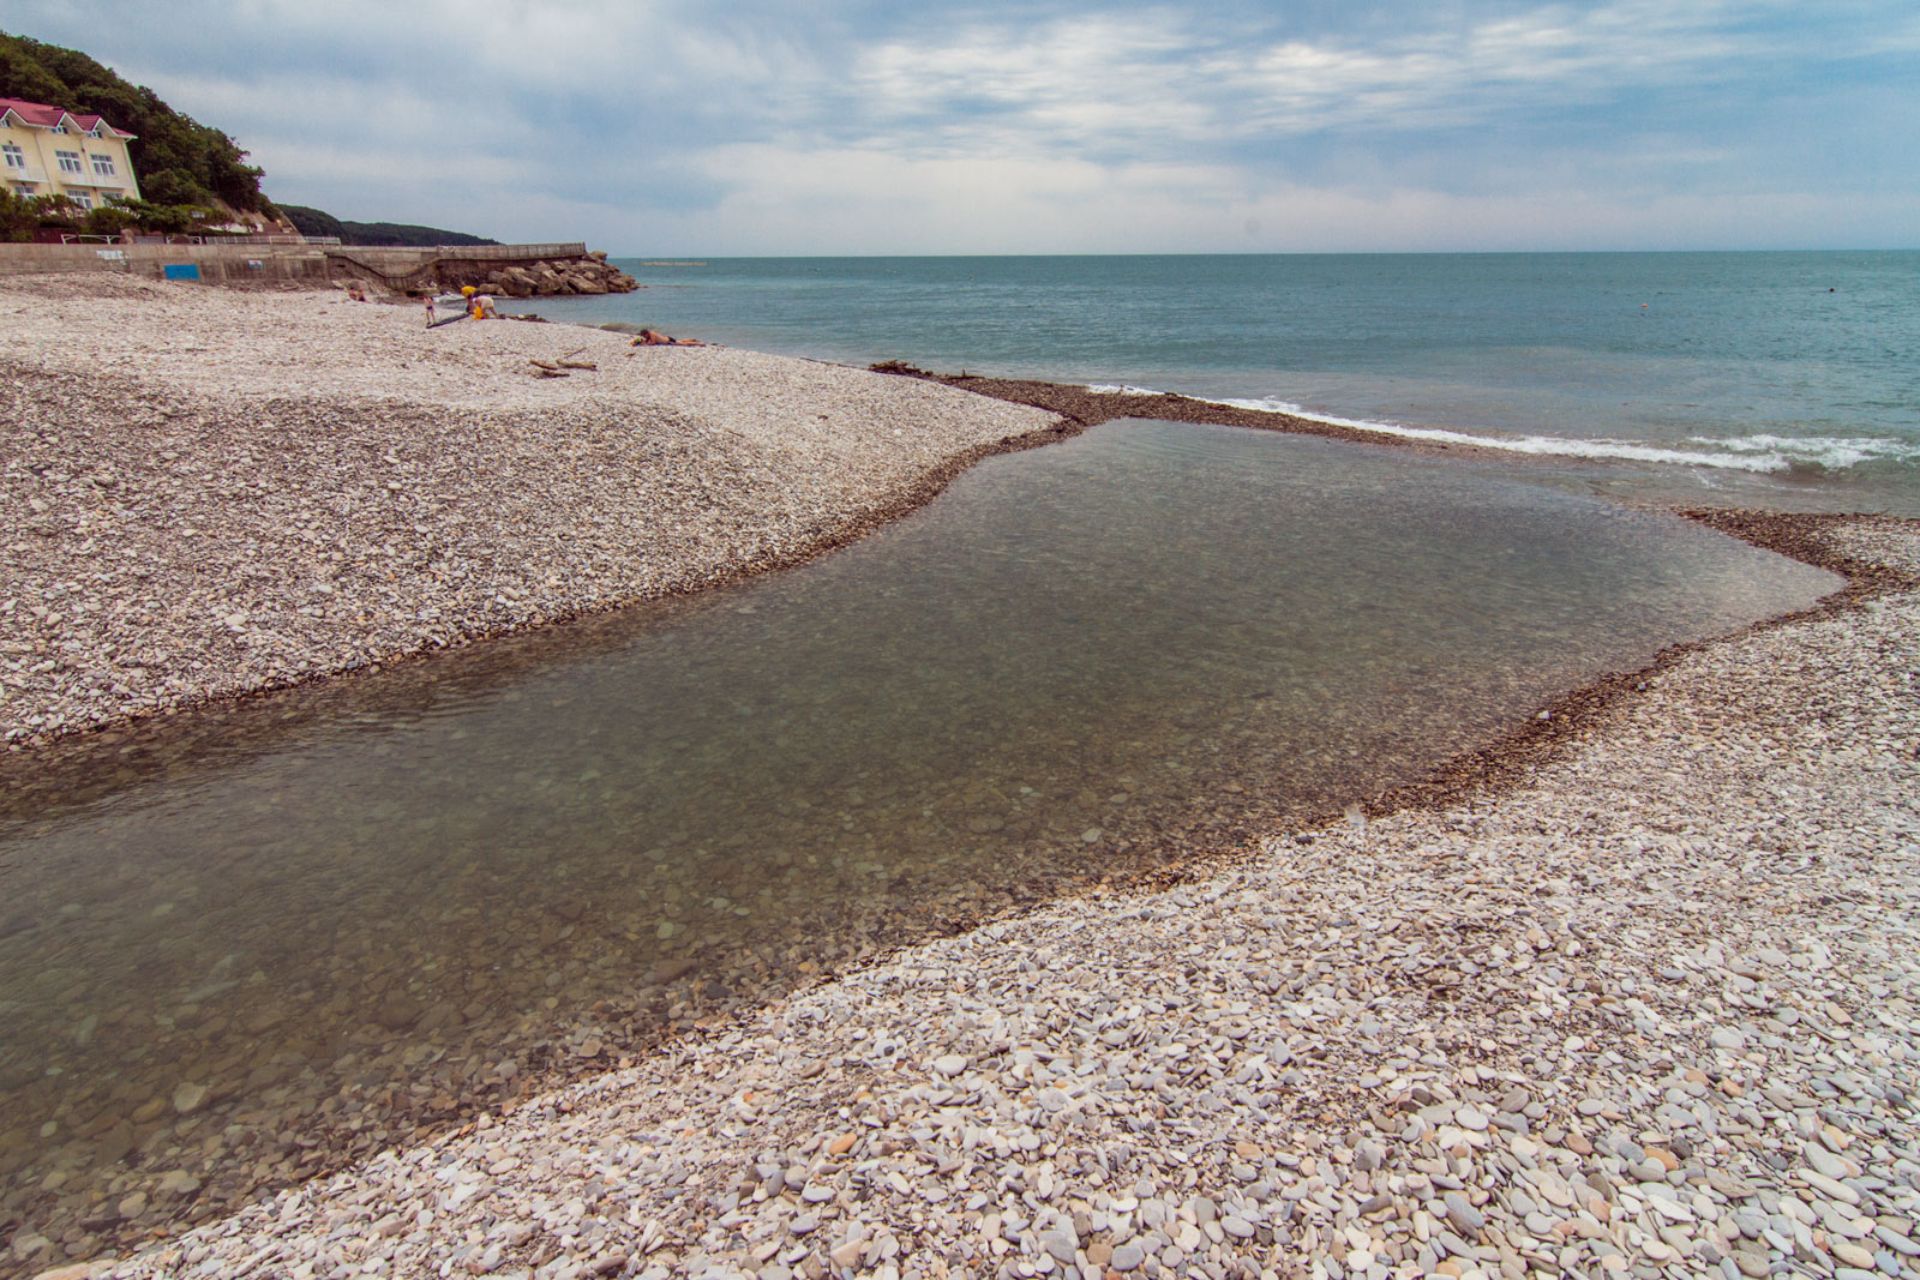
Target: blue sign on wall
(181, 270)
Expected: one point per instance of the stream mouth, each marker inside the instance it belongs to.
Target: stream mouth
(258, 941)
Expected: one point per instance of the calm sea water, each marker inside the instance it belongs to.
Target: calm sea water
(1786, 378)
(294, 929)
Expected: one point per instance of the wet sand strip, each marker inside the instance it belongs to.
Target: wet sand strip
(1086, 408)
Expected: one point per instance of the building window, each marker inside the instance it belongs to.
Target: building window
(82, 198)
(59, 128)
(24, 188)
(69, 161)
(16, 158)
(103, 166)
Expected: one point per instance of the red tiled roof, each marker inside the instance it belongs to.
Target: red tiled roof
(41, 114)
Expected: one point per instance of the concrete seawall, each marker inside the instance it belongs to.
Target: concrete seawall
(397, 268)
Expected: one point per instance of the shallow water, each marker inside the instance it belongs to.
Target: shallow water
(1760, 379)
(251, 943)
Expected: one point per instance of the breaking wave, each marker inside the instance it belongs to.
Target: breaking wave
(1757, 453)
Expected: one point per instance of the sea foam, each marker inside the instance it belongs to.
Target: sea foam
(1757, 453)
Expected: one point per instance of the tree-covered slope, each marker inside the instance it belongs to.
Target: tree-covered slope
(176, 159)
(316, 222)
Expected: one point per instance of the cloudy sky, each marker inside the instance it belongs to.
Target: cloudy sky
(861, 126)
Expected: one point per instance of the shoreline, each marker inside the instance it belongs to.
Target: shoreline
(1624, 479)
(1492, 772)
(915, 495)
(1089, 408)
(175, 458)
(1171, 857)
(1072, 409)
(697, 1104)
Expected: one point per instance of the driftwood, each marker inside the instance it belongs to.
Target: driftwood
(565, 363)
(546, 369)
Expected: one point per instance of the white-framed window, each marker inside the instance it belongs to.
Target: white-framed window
(103, 166)
(82, 198)
(24, 188)
(60, 128)
(69, 161)
(16, 158)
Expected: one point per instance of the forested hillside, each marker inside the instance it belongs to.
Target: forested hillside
(177, 160)
(318, 222)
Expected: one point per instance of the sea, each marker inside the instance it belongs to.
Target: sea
(1783, 379)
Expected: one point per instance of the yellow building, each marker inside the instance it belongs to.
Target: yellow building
(51, 151)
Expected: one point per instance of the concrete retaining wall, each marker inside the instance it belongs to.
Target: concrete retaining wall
(401, 268)
(222, 264)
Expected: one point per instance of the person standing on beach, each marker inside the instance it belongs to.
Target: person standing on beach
(432, 312)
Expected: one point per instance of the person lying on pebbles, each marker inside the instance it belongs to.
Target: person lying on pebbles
(654, 338)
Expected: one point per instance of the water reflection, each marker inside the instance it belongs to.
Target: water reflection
(251, 944)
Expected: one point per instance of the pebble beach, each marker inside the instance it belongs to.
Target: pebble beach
(210, 492)
(1642, 1006)
(1649, 1011)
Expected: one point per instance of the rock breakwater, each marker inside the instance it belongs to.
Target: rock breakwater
(557, 277)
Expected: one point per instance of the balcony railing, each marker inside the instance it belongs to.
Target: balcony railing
(90, 178)
(22, 173)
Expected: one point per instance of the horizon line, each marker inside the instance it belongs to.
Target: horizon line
(1256, 253)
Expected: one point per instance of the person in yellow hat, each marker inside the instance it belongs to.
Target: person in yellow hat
(479, 305)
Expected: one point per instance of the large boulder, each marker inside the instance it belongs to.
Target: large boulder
(589, 275)
(518, 282)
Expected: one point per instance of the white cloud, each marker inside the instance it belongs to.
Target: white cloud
(334, 109)
(1089, 81)
(858, 201)
(847, 126)
(1164, 81)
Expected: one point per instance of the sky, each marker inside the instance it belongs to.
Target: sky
(1055, 126)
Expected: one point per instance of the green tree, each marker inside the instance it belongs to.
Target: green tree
(110, 220)
(57, 211)
(313, 222)
(174, 186)
(168, 219)
(24, 76)
(201, 164)
(18, 217)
